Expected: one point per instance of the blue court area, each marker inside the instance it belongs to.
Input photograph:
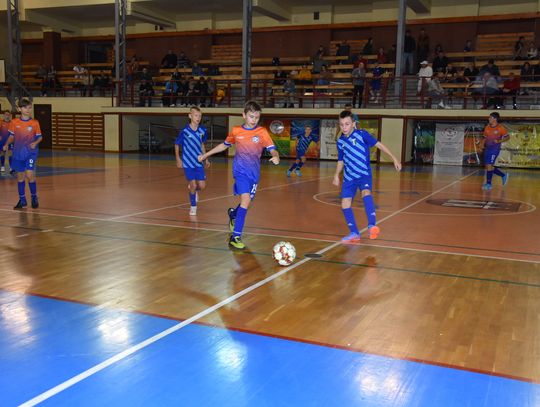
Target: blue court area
(45, 342)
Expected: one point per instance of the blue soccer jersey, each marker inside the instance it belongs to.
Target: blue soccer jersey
(191, 143)
(355, 154)
(304, 142)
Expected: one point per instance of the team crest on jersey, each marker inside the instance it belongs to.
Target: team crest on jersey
(255, 139)
(29, 128)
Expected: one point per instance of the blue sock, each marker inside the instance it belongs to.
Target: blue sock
(498, 172)
(292, 167)
(489, 176)
(239, 222)
(193, 199)
(33, 188)
(369, 207)
(300, 164)
(349, 218)
(20, 186)
(2, 160)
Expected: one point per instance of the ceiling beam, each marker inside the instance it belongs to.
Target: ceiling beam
(147, 15)
(419, 6)
(56, 24)
(270, 8)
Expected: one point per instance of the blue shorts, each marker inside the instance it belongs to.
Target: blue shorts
(195, 174)
(300, 154)
(245, 185)
(490, 155)
(349, 188)
(24, 165)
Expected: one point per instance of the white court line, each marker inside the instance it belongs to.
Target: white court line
(141, 345)
(482, 256)
(213, 199)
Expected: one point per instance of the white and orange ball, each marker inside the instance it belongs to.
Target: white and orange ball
(284, 253)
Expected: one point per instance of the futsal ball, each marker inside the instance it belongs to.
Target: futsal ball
(284, 253)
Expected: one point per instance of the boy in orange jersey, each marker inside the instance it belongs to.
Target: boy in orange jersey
(4, 135)
(25, 134)
(250, 141)
(494, 134)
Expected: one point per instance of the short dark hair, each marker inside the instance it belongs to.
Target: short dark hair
(345, 113)
(24, 102)
(252, 106)
(491, 61)
(495, 115)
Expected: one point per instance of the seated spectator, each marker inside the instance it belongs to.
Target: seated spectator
(196, 70)
(189, 92)
(183, 60)
(176, 75)
(391, 55)
(436, 91)
(41, 72)
(511, 88)
(220, 95)
(170, 93)
(211, 85)
(344, 50)
(183, 88)
(381, 56)
(101, 82)
(437, 50)
(468, 48)
(289, 88)
(201, 91)
(358, 80)
(449, 72)
(440, 62)
(304, 76)
(318, 64)
(132, 68)
(368, 47)
(532, 53)
(146, 92)
(376, 83)
(50, 82)
(520, 50)
(360, 58)
(324, 77)
(489, 88)
(424, 76)
(86, 83)
(170, 60)
(145, 75)
(460, 76)
(527, 73)
(490, 68)
(79, 71)
(471, 71)
(280, 76)
(320, 53)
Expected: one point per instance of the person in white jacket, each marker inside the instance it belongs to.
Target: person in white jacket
(424, 75)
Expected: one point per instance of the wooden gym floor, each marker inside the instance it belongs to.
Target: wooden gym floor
(111, 294)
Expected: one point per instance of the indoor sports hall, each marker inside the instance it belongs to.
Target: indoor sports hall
(112, 294)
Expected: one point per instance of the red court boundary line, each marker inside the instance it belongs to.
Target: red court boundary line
(293, 339)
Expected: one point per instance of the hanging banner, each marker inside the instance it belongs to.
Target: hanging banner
(298, 129)
(449, 142)
(328, 133)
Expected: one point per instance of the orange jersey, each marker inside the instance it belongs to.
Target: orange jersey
(4, 132)
(493, 134)
(24, 132)
(250, 144)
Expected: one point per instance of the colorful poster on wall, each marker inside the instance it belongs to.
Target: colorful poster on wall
(328, 132)
(372, 127)
(449, 141)
(522, 150)
(280, 131)
(523, 147)
(298, 129)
